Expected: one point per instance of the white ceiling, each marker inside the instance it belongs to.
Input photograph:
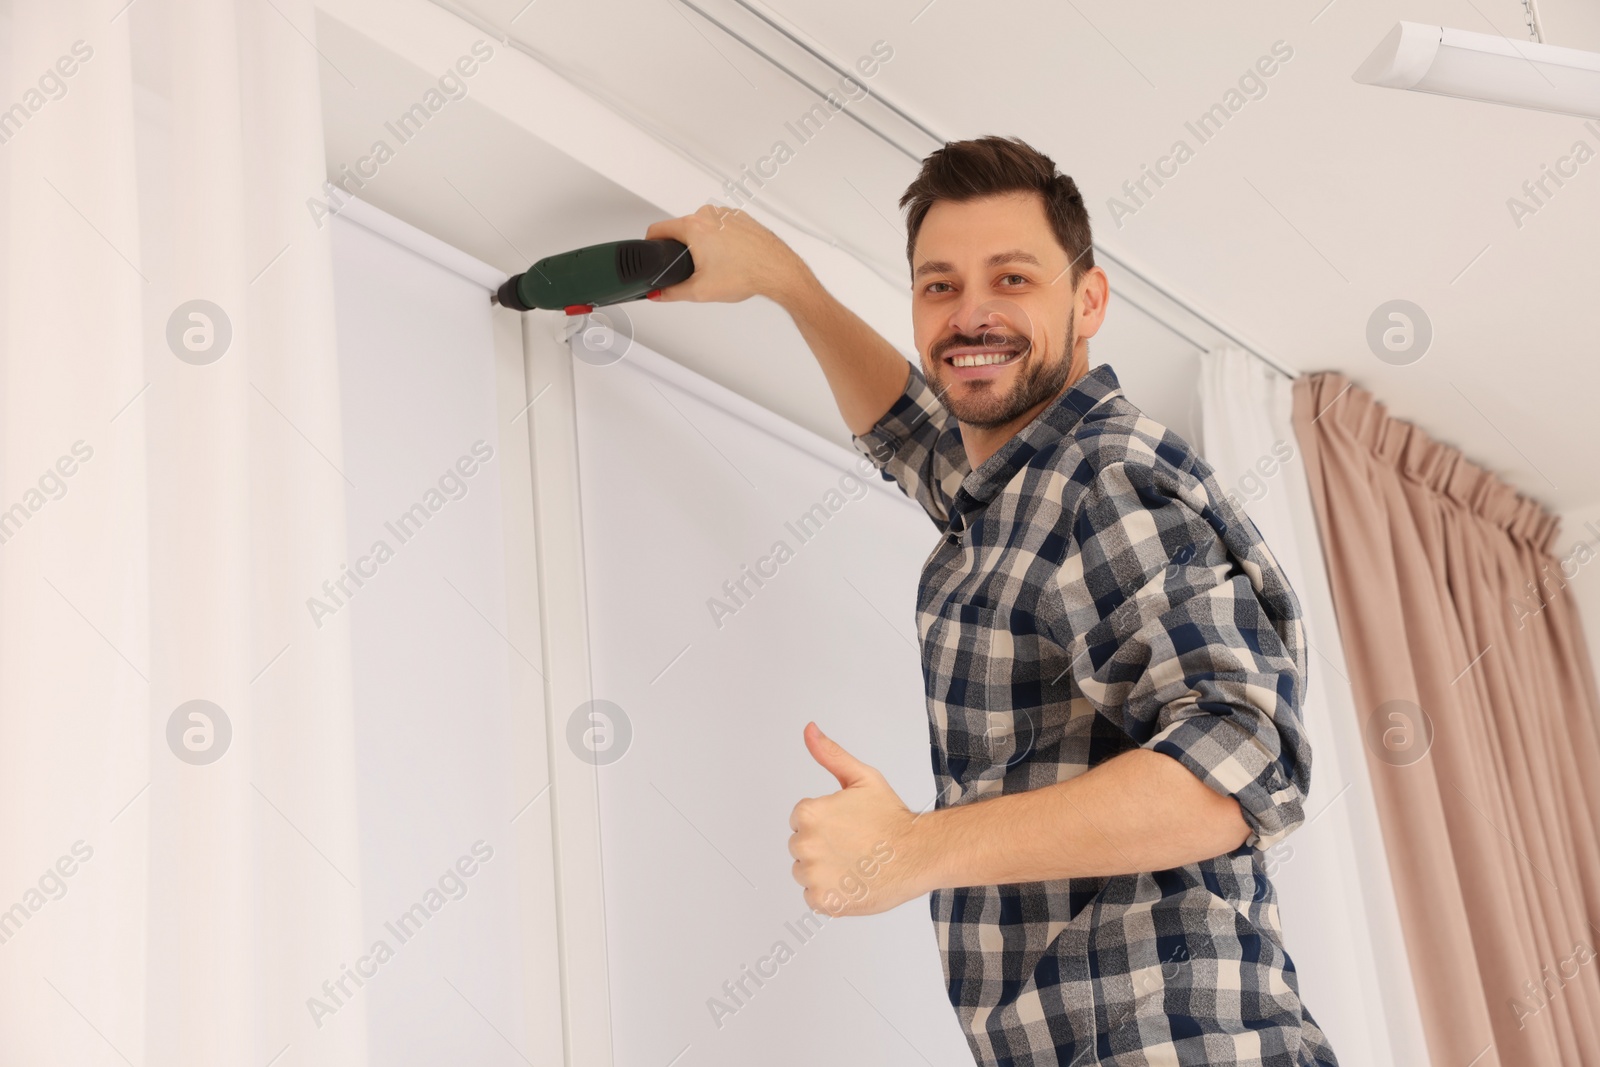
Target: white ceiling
(1318, 202)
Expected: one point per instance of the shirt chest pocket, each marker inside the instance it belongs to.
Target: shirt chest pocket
(970, 670)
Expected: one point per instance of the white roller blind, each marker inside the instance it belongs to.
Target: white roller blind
(433, 666)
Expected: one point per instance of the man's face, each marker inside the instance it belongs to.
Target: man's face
(992, 304)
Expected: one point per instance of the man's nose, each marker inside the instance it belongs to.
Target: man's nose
(985, 320)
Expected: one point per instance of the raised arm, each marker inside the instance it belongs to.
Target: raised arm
(735, 258)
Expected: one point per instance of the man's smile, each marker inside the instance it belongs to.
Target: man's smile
(983, 361)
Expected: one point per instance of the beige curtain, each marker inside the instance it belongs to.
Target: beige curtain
(1477, 702)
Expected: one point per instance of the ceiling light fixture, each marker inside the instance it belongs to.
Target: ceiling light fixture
(1486, 67)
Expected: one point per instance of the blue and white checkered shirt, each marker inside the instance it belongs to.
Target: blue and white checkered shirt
(1094, 592)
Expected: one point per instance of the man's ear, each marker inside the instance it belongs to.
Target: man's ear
(1089, 299)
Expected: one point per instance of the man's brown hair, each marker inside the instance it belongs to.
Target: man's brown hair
(967, 170)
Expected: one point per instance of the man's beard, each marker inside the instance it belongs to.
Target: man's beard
(984, 407)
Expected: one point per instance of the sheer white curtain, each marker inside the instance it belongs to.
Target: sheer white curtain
(1336, 899)
(170, 500)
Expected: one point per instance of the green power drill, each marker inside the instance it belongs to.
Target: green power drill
(579, 281)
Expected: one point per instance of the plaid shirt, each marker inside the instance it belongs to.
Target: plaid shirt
(1093, 593)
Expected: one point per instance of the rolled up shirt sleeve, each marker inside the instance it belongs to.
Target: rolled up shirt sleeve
(918, 445)
(1181, 632)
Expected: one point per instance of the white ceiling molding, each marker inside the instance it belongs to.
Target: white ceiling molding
(781, 43)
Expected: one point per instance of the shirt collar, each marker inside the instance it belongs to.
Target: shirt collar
(1056, 421)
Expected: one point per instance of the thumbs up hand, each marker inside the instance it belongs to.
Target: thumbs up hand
(853, 850)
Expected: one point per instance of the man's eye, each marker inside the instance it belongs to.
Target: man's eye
(1020, 278)
(931, 285)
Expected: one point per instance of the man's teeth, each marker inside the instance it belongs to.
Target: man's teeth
(980, 359)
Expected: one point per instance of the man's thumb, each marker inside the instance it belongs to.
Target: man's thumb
(828, 752)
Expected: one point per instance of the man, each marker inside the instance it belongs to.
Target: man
(1113, 659)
